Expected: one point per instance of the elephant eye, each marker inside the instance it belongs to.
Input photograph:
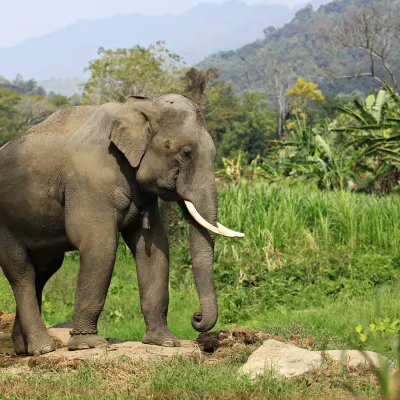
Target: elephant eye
(187, 151)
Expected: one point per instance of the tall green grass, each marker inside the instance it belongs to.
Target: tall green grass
(288, 217)
(307, 255)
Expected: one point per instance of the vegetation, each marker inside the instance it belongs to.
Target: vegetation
(321, 46)
(311, 175)
(24, 104)
(301, 246)
(120, 73)
(307, 256)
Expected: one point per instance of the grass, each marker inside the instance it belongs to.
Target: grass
(312, 264)
(179, 378)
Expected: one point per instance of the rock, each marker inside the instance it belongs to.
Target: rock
(59, 335)
(62, 357)
(285, 359)
(355, 358)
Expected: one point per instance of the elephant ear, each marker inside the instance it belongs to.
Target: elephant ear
(130, 131)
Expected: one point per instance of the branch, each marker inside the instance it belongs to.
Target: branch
(359, 75)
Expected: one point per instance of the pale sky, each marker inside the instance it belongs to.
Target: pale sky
(23, 19)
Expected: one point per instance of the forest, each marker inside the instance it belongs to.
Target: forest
(292, 122)
(306, 123)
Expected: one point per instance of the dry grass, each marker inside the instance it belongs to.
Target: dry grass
(124, 378)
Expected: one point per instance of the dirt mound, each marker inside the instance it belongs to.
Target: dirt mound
(238, 338)
(6, 323)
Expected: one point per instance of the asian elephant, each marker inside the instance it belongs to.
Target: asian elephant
(87, 173)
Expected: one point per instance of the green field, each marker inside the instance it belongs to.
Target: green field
(313, 263)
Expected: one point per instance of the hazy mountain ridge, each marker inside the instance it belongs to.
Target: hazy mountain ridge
(196, 33)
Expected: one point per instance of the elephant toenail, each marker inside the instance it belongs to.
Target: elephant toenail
(101, 344)
(46, 349)
(169, 343)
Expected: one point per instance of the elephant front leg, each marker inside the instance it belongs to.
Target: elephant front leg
(97, 257)
(149, 246)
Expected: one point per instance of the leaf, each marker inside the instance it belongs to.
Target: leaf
(363, 337)
(321, 143)
(378, 105)
(359, 328)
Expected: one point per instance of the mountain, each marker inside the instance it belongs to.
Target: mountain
(305, 46)
(194, 34)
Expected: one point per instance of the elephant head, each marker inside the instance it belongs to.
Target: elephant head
(167, 141)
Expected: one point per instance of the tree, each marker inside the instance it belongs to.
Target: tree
(29, 87)
(28, 112)
(139, 71)
(8, 100)
(372, 30)
(275, 77)
(58, 100)
(198, 81)
(302, 94)
(250, 130)
(221, 108)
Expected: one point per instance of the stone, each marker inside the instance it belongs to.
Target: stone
(355, 358)
(59, 335)
(136, 351)
(285, 359)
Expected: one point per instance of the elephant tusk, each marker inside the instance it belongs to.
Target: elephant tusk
(219, 229)
(229, 231)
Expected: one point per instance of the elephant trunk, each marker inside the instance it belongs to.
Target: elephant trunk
(202, 243)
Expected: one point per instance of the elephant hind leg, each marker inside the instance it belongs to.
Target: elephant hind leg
(93, 231)
(20, 272)
(45, 266)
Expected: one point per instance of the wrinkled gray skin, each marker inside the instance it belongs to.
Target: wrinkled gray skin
(83, 175)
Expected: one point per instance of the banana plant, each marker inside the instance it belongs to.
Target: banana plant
(377, 133)
(317, 156)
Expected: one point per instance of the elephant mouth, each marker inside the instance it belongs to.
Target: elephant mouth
(219, 229)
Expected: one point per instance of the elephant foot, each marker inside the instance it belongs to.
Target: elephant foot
(19, 344)
(37, 347)
(161, 337)
(82, 342)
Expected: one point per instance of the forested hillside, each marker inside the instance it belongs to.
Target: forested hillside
(314, 45)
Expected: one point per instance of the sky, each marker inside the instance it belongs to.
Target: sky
(23, 19)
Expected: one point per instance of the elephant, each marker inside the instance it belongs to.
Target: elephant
(83, 176)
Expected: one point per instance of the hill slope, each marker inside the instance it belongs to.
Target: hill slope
(200, 31)
(304, 46)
